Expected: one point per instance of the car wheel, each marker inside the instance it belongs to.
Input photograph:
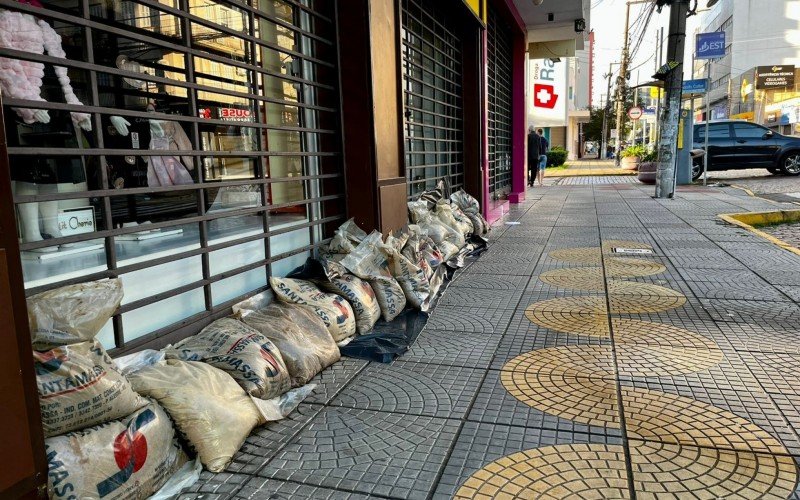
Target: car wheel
(790, 164)
(775, 170)
(697, 170)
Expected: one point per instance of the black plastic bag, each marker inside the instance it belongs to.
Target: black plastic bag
(381, 347)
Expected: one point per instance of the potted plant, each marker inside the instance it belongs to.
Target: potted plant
(648, 167)
(631, 157)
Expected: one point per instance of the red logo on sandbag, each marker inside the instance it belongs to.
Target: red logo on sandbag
(48, 362)
(342, 318)
(266, 354)
(130, 453)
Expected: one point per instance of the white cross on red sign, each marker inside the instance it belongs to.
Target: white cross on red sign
(635, 113)
(544, 96)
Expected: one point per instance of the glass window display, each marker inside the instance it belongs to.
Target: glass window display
(190, 136)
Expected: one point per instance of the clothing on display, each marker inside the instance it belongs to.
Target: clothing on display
(168, 170)
(23, 79)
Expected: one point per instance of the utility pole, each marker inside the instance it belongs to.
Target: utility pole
(604, 140)
(672, 72)
(659, 63)
(621, 83)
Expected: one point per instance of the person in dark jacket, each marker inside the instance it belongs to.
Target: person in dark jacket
(544, 147)
(534, 150)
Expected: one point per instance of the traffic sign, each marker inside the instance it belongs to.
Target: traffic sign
(710, 45)
(635, 113)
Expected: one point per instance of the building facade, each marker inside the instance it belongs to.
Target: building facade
(758, 34)
(195, 148)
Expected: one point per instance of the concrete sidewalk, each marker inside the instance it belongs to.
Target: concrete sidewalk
(555, 367)
(588, 168)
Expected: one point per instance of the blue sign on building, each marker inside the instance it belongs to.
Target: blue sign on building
(695, 86)
(710, 45)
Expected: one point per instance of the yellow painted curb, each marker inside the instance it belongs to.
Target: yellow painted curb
(753, 195)
(751, 219)
(588, 172)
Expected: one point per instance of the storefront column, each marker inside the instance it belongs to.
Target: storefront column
(371, 114)
(518, 114)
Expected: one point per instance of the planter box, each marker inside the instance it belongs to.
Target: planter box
(630, 163)
(647, 172)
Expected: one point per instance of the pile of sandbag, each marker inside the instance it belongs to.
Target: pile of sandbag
(103, 440)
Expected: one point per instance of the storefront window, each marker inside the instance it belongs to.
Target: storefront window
(188, 146)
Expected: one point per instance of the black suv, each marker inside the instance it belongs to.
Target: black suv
(735, 144)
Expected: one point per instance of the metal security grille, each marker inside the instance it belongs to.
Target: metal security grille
(248, 91)
(499, 60)
(433, 125)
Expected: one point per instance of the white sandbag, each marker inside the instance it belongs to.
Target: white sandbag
(130, 458)
(369, 263)
(79, 386)
(73, 313)
(246, 355)
(302, 337)
(207, 405)
(334, 310)
(346, 238)
(463, 221)
(421, 250)
(444, 214)
(360, 295)
(411, 277)
(448, 239)
(470, 206)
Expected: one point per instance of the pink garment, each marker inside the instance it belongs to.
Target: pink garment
(168, 170)
(23, 79)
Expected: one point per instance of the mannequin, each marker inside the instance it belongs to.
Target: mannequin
(23, 80)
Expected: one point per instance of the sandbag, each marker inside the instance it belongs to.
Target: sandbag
(206, 404)
(130, 458)
(245, 354)
(471, 207)
(302, 337)
(369, 263)
(360, 295)
(334, 310)
(346, 238)
(447, 239)
(72, 314)
(444, 213)
(463, 221)
(79, 386)
(423, 251)
(411, 277)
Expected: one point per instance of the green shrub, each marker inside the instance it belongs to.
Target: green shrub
(651, 156)
(634, 151)
(557, 156)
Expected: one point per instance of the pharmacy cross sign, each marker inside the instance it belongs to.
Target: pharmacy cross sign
(544, 96)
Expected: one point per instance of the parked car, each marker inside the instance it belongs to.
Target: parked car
(737, 144)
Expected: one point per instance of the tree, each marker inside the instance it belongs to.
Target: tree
(594, 129)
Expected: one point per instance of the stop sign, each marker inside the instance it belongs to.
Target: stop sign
(635, 113)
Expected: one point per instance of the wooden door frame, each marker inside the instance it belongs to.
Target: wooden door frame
(35, 484)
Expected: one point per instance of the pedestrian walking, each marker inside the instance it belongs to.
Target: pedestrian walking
(534, 149)
(544, 147)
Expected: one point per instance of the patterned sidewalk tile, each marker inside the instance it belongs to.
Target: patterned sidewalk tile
(214, 486)
(413, 388)
(575, 404)
(334, 378)
(386, 454)
(259, 488)
(265, 441)
(453, 348)
(495, 299)
(469, 319)
(488, 282)
(479, 445)
(780, 314)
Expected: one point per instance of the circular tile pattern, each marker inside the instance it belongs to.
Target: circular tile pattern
(645, 333)
(630, 267)
(598, 471)
(588, 279)
(584, 255)
(661, 470)
(553, 472)
(578, 315)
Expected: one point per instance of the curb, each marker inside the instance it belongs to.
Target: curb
(752, 194)
(748, 220)
(590, 172)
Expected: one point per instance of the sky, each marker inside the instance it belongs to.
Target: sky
(608, 23)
